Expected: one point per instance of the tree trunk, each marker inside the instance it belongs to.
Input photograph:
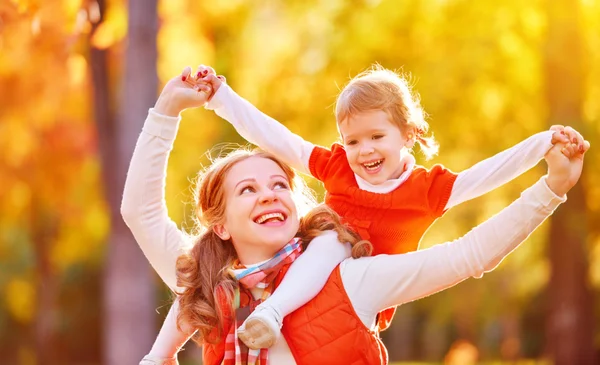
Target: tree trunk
(129, 297)
(44, 228)
(569, 327)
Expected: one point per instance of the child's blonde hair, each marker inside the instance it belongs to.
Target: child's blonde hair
(381, 89)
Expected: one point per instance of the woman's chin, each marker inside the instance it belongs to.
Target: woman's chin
(278, 239)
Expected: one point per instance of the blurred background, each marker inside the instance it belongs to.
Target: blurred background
(77, 78)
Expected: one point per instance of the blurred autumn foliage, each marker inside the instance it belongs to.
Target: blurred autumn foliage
(489, 75)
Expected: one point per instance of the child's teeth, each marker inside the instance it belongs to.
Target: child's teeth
(373, 164)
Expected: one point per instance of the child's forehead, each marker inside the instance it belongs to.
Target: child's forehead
(367, 119)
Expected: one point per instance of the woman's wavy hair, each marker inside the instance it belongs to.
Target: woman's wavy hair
(206, 299)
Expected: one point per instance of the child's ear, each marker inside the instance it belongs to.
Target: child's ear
(410, 138)
(220, 231)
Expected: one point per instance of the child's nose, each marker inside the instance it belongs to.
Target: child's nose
(366, 150)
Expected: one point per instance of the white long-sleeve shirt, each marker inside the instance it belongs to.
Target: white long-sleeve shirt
(407, 277)
(272, 136)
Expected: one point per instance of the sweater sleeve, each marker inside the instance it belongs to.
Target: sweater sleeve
(496, 171)
(143, 206)
(170, 340)
(419, 274)
(260, 129)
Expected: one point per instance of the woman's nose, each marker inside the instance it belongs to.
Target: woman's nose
(267, 196)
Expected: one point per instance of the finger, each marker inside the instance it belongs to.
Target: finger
(210, 70)
(185, 73)
(557, 128)
(573, 149)
(559, 137)
(204, 70)
(203, 87)
(200, 71)
(211, 78)
(573, 135)
(582, 149)
(585, 147)
(580, 139)
(222, 78)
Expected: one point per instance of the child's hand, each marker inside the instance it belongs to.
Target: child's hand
(565, 163)
(182, 92)
(568, 135)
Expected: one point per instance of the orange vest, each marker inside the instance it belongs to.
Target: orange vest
(394, 222)
(326, 330)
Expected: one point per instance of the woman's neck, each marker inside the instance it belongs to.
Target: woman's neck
(251, 256)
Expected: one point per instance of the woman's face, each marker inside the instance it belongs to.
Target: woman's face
(260, 214)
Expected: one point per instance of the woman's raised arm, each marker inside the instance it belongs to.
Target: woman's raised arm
(143, 206)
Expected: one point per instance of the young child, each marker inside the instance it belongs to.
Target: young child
(371, 178)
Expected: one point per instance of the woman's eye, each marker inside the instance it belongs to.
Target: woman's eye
(280, 185)
(247, 189)
(378, 136)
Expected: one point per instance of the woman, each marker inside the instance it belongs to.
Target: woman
(248, 206)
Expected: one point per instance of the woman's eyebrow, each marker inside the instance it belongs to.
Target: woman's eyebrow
(245, 180)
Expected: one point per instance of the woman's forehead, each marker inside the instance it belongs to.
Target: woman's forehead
(253, 168)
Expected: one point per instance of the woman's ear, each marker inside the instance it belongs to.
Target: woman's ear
(220, 231)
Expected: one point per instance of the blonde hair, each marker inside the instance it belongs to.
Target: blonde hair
(381, 89)
(207, 296)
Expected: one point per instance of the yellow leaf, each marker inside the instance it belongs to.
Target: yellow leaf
(77, 66)
(20, 299)
(17, 140)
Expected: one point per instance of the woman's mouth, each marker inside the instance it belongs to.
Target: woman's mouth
(374, 166)
(271, 219)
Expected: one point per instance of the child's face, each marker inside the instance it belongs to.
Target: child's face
(373, 146)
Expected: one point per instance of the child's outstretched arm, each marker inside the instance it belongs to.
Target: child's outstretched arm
(496, 171)
(418, 274)
(257, 127)
(169, 341)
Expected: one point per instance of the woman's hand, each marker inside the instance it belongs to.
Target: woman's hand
(182, 92)
(565, 163)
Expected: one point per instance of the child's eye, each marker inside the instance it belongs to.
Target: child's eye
(378, 136)
(351, 142)
(281, 185)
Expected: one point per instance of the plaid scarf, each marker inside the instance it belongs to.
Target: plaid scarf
(261, 276)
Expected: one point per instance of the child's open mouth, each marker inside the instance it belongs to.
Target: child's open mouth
(373, 166)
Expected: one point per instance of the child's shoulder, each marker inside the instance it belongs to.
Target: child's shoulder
(329, 163)
(336, 151)
(437, 170)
